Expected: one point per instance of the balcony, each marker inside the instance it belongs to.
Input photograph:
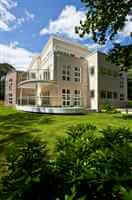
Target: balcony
(51, 104)
(35, 76)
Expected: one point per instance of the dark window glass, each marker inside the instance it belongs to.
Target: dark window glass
(92, 93)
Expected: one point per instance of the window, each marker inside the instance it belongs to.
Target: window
(46, 76)
(115, 96)
(121, 97)
(92, 93)
(66, 73)
(10, 98)
(66, 97)
(33, 75)
(92, 70)
(10, 84)
(77, 74)
(109, 95)
(77, 98)
(103, 94)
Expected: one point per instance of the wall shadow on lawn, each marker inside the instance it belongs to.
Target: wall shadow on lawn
(19, 126)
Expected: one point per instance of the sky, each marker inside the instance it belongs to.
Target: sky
(26, 25)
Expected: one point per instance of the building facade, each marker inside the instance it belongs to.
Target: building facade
(67, 77)
(11, 90)
(4, 69)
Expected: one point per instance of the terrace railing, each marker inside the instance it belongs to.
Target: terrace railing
(51, 101)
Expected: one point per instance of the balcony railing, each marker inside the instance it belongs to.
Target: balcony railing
(51, 101)
(36, 75)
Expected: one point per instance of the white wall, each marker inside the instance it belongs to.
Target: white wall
(93, 80)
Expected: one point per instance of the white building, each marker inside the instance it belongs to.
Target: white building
(66, 77)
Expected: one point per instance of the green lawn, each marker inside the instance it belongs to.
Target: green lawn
(17, 127)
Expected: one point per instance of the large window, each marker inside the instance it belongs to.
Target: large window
(66, 71)
(77, 98)
(66, 97)
(77, 74)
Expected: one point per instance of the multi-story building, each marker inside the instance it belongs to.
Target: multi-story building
(66, 77)
(4, 69)
(11, 89)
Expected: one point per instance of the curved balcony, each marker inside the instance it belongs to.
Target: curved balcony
(31, 78)
(51, 104)
(32, 83)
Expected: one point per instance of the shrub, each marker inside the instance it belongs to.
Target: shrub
(129, 104)
(31, 174)
(108, 108)
(95, 162)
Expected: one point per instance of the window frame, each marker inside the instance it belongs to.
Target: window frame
(66, 97)
(77, 74)
(66, 72)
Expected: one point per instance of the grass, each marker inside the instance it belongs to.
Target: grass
(18, 127)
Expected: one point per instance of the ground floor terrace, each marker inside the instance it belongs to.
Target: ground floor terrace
(49, 97)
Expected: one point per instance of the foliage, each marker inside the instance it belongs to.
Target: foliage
(90, 164)
(96, 162)
(127, 195)
(30, 174)
(73, 195)
(108, 108)
(125, 61)
(104, 19)
(130, 104)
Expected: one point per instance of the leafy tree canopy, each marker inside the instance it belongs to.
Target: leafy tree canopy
(104, 19)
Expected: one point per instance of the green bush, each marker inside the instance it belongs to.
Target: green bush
(31, 174)
(90, 164)
(108, 108)
(127, 195)
(95, 162)
(129, 104)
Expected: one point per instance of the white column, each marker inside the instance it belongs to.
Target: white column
(38, 101)
(21, 95)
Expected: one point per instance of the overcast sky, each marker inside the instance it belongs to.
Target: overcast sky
(25, 26)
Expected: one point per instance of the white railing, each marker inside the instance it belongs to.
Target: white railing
(36, 75)
(51, 101)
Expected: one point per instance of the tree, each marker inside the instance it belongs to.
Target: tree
(104, 19)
